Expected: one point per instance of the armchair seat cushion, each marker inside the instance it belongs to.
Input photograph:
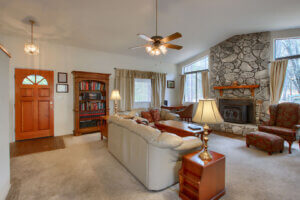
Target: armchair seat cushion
(286, 133)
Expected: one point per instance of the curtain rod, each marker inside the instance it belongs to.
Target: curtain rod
(203, 70)
(287, 58)
(141, 70)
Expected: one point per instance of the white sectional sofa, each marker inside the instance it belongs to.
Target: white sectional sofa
(154, 158)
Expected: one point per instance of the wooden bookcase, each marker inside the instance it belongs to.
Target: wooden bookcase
(91, 101)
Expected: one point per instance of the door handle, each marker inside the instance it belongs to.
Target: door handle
(51, 102)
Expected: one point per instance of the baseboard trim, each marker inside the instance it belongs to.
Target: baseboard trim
(5, 190)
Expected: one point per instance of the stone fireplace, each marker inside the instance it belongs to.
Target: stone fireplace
(241, 60)
(241, 111)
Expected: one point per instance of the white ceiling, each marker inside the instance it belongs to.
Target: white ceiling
(112, 25)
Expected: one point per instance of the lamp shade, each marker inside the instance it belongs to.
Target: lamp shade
(115, 95)
(207, 112)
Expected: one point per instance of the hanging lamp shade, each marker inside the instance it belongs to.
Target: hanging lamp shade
(31, 48)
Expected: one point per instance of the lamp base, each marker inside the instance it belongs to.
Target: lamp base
(205, 156)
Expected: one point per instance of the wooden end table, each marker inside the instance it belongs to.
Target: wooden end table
(104, 126)
(202, 180)
(179, 128)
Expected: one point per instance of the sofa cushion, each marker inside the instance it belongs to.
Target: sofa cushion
(147, 115)
(155, 115)
(280, 131)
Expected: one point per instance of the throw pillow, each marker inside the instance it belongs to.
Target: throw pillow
(163, 114)
(147, 115)
(141, 120)
(155, 115)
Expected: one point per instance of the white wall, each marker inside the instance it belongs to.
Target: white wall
(61, 58)
(4, 125)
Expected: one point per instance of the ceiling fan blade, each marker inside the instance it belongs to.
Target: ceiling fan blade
(137, 47)
(145, 37)
(171, 37)
(173, 46)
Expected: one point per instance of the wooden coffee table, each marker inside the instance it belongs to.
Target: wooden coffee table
(179, 128)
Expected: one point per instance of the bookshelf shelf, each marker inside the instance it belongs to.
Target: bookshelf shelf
(91, 91)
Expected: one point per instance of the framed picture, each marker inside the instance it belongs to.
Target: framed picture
(62, 77)
(170, 84)
(62, 88)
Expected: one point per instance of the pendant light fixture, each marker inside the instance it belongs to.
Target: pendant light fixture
(31, 48)
(158, 45)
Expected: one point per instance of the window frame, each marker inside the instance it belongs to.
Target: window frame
(290, 57)
(150, 92)
(195, 72)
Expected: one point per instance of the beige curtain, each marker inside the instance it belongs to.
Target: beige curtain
(158, 84)
(205, 84)
(277, 76)
(124, 82)
(181, 88)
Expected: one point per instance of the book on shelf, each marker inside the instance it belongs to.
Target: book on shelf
(91, 85)
(91, 115)
(91, 106)
(91, 96)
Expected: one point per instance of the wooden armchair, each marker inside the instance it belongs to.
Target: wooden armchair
(284, 122)
(187, 113)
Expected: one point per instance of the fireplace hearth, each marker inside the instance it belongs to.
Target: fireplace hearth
(240, 111)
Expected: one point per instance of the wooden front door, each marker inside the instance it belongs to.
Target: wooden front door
(33, 103)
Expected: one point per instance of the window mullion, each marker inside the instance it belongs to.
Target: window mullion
(196, 87)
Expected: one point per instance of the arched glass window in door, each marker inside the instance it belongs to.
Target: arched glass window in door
(34, 80)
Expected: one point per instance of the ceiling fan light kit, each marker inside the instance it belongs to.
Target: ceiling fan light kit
(158, 45)
(31, 48)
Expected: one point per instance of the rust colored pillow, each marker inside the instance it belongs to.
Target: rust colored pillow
(155, 115)
(147, 115)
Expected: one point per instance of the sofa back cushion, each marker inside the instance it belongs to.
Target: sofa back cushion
(147, 115)
(287, 114)
(155, 115)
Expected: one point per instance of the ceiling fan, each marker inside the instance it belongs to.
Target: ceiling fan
(157, 44)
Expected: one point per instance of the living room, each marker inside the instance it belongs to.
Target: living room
(108, 109)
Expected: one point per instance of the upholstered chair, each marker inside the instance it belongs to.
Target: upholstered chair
(187, 113)
(284, 122)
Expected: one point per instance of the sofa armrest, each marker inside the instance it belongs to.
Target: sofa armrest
(189, 142)
(168, 140)
(171, 116)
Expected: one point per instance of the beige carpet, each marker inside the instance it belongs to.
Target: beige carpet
(86, 170)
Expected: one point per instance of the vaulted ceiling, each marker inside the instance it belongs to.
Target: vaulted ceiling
(112, 25)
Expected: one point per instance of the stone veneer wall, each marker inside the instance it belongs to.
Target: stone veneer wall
(242, 58)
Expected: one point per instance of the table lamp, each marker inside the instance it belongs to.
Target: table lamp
(207, 113)
(115, 96)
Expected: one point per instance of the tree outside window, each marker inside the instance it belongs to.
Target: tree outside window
(193, 84)
(291, 87)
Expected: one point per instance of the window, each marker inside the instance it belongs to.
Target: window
(291, 87)
(193, 84)
(142, 90)
(34, 80)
